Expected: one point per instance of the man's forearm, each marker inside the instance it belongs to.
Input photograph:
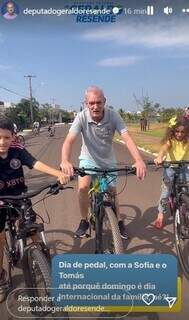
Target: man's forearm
(132, 148)
(66, 152)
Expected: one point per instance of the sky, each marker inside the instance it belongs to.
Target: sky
(137, 55)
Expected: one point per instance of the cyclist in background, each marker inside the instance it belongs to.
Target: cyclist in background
(36, 126)
(175, 147)
(51, 129)
(97, 125)
(12, 182)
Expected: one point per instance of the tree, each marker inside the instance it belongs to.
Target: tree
(21, 114)
(145, 105)
(45, 112)
(48, 112)
(148, 108)
(167, 113)
(122, 113)
(157, 107)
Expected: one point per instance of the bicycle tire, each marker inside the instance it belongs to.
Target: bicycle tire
(91, 214)
(36, 265)
(181, 242)
(21, 140)
(117, 242)
(35, 132)
(10, 247)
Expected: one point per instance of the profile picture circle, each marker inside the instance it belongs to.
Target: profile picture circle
(10, 10)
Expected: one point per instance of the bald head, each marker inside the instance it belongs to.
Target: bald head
(95, 102)
(10, 7)
(94, 90)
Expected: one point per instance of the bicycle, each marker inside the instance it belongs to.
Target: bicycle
(36, 131)
(34, 257)
(103, 216)
(51, 131)
(179, 207)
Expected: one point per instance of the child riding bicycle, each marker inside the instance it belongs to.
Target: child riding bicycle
(12, 159)
(175, 147)
(51, 129)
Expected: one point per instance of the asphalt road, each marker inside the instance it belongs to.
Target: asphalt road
(138, 203)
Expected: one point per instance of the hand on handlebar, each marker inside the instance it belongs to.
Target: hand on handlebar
(63, 178)
(158, 161)
(67, 168)
(140, 169)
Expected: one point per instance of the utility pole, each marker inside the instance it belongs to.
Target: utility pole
(30, 89)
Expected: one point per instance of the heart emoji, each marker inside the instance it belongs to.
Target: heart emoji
(148, 298)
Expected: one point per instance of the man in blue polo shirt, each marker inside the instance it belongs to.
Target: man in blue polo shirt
(97, 124)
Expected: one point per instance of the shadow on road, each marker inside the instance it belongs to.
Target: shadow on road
(60, 246)
(141, 229)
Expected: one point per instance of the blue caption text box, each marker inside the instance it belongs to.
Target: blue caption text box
(115, 280)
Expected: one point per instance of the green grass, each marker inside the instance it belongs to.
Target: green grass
(149, 140)
(156, 132)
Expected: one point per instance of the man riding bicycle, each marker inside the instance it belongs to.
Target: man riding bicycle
(51, 129)
(97, 124)
(36, 126)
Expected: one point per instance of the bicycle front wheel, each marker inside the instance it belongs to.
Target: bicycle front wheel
(111, 238)
(181, 232)
(37, 276)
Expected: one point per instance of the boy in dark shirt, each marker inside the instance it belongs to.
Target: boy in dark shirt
(12, 159)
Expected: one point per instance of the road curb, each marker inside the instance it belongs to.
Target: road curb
(140, 148)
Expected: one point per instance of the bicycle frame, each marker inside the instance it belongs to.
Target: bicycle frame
(103, 204)
(178, 186)
(16, 239)
(18, 229)
(102, 198)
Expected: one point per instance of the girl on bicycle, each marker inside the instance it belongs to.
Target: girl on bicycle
(175, 147)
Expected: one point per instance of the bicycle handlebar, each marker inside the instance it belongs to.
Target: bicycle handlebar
(54, 188)
(166, 164)
(83, 171)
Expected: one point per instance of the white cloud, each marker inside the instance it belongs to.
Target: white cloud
(162, 34)
(3, 67)
(119, 61)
